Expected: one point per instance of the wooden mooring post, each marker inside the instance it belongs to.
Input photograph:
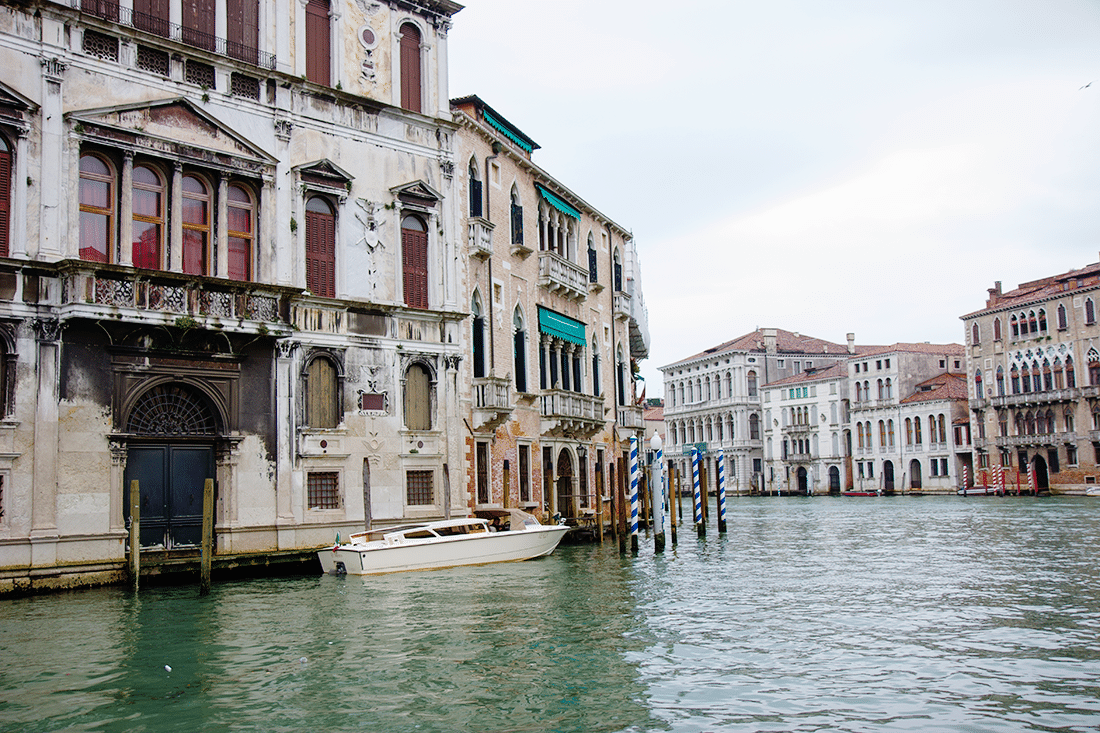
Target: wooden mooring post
(207, 535)
(135, 534)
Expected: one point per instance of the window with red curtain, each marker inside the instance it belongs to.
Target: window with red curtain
(5, 197)
(318, 42)
(240, 209)
(414, 247)
(97, 200)
(410, 67)
(320, 248)
(196, 226)
(148, 217)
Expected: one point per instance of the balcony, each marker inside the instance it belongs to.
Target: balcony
(108, 291)
(631, 421)
(157, 26)
(1012, 441)
(492, 402)
(1036, 398)
(480, 238)
(799, 429)
(561, 276)
(570, 414)
(622, 306)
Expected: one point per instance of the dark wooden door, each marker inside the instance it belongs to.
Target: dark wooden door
(318, 42)
(198, 23)
(242, 29)
(171, 482)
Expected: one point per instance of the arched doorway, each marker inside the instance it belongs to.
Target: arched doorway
(803, 482)
(888, 476)
(171, 454)
(914, 474)
(565, 484)
(834, 480)
(1042, 475)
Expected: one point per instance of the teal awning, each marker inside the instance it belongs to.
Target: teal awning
(563, 327)
(506, 131)
(556, 201)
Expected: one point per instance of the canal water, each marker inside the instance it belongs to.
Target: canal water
(811, 614)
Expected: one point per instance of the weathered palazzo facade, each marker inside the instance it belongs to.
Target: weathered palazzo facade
(558, 324)
(1033, 372)
(227, 251)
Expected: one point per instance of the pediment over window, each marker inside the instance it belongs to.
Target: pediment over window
(13, 105)
(169, 126)
(418, 194)
(325, 173)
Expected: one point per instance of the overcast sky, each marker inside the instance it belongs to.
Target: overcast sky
(822, 166)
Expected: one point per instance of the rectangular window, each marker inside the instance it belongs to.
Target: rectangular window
(418, 488)
(241, 85)
(198, 73)
(153, 60)
(525, 473)
(322, 490)
(1071, 456)
(482, 459)
(100, 45)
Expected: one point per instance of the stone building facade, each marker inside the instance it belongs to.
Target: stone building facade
(228, 251)
(713, 400)
(1033, 371)
(558, 325)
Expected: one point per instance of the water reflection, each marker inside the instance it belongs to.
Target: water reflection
(811, 614)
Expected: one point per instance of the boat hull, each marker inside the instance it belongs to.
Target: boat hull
(432, 554)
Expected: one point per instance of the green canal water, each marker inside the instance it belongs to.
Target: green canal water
(811, 614)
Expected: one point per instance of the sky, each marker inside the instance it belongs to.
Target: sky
(821, 166)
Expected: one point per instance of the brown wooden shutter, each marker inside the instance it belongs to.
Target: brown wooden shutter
(321, 400)
(198, 23)
(152, 16)
(318, 42)
(414, 247)
(410, 67)
(321, 254)
(5, 203)
(418, 413)
(242, 18)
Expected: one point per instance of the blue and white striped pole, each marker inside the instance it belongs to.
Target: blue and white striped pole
(634, 494)
(657, 493)
(700, 527)
(721, 492)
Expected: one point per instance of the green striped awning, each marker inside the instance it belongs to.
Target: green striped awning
(563, 327)
(506, 131)
(556, 201)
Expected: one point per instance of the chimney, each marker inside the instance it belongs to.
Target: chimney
(770, 337)
(994, 295)
(851, 343)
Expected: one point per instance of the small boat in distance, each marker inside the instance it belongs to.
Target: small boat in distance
(860, 493)
(445, 543)
(979, 491)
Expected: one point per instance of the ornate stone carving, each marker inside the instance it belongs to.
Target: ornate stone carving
(286, 348)
(48, 329)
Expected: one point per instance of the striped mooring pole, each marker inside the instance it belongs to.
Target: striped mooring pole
(700, 526)
(634, 494)
(1031, 479)
(966, 475)
(657, 492)
(721, 492)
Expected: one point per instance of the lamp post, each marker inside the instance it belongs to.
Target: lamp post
(657, 493)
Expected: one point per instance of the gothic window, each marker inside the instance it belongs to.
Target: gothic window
(97, 185)
(596, 370)
(1062, 325)
(996, 329)
(476, 195)
(1042, 320)
(618, 273)
(593, 270)
(410, 68)
(516, 218)
(1071, 380)
(1094, 366)
(1001, 381)
(974, 334)
(414, 248)
(1015, 327)
(320, 247)
(519, 352)
(418, 398)
(478, 336)
(1090, 312)
(322, 394)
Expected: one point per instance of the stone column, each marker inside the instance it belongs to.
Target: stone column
(126, 211)
(44, 483)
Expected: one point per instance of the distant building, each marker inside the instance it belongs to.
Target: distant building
(713, 400)
(1033, 375)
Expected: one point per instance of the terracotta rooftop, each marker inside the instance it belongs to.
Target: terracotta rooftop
(922, 348)
(949, 386)
(833, 371)
(786, 342)
(654, 414)
(1038, 291)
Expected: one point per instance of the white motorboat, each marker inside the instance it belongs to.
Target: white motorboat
(446, 543)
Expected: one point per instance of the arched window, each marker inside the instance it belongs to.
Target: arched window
(890, 432)
(1042, 320)
(5, 196)
(1000, 381)
(593, 260)
(1014, 376)
(1032, 325)
(729, 384)
(754, 427)
(320, 248)
(859, 435)
(241, 213)
(318, 42)
(1068, 421)
(478, 336)
(148, 218)
(1071, 379)
(1094, 366)
(752, 384)
(1048, 377)
(996, 329)
(908, 431)
(1090, 312)
(889, 388)
(476, 196)
(1015, 327)
(1062, 325)
(859, 392)
(618, 274)
(411, 93)
(516, 218)
(943, 429)
(596, 371)
(621, 377)
(196, 226)
(322, 393)
(1021, 424)
(916, 431)
(978, 384)
(418, 398)
(975, 334)
(882, 433)
(682, 394)
(97, 201)
(519, 350)
(414, 255)
(880, 392)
